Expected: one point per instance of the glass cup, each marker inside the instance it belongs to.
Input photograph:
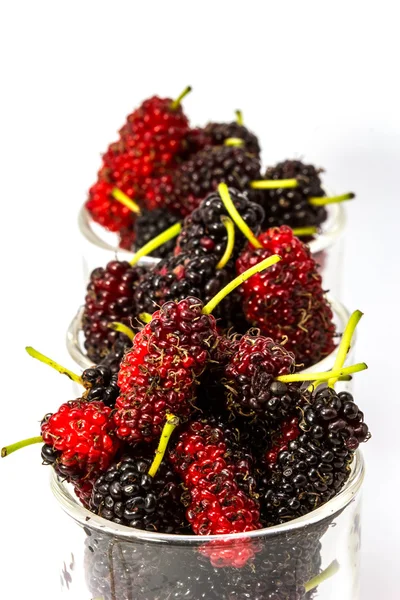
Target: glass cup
(312, 557)
(341, 315)
(100, 246)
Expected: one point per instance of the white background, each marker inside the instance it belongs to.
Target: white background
(314, 79)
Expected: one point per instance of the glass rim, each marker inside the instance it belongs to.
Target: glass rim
(84, 517)
(77, 353)
(331, 230)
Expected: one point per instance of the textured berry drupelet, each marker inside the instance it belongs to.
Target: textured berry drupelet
(203, 231)
(79, 438)
(160, 374)
(217, 504)
(127, 495)
(250, 379)
(184, 189)
(312, 464)
(147, 226)
(104, 209)
(101, 385)
(177, 277)
(115, 355)
(219, 132)
(109, 298)
(287, 302)
(290, 206)
(155, 134)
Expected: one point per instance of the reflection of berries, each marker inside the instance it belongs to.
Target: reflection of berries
(203, 231)
(119, 570)
(219, 132)
(184, 190)
(176, 277)
(290, 206)
(217, 504)
(287, 302)
(250, 374)
(147, 226)
(104, 209)
(102, 385)
(126, 494)
(314, 463)
(281, 569)
(82, 436)
(161, 372)
(109, 298)
(83, 488)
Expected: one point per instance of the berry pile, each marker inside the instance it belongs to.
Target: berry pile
(177, 277)
(195, 418)
(164, 169)
(208, 434)
(311, 461)
(183, 190)
(203, 231)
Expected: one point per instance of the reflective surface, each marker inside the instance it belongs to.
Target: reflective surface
(107, 561)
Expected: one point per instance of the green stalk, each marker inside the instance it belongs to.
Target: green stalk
(273, 184)
(230, 232)
(326, 574)
(172, 422)
(300, 231)
(239, 117)
(235, 216)
(159, 240)
(145, 317)
(121, 328)
(22, 444)
(324, 200)
(323, 376)
(125, 200)
(53, 364)
(176, 103)
(233, 142)
(345, 344)
(264, 264)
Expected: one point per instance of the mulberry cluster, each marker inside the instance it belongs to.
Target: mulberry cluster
(109, 298)
(287, 302)
(160, 374)
(290, 206)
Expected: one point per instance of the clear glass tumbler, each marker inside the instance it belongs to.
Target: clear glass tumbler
(100, 246)
(313, 557)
